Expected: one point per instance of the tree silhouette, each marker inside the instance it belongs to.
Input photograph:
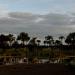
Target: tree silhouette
(33, 41)
(61, 39)
(3, 40)
(70, 39)
(38, 41)
(11, 38)
(50, 42)
(49, 39)
(24, 37)
(45, 42)
(57, 42)
(32, 48)
(15, 44)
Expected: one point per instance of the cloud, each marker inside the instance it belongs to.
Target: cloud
(26, 17)
(51, 19)
(3, 10)
(55, 19)
(41, 25)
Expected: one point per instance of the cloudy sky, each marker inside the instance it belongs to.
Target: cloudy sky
(37, 17)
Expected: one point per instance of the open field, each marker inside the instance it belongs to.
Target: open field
(36, 69)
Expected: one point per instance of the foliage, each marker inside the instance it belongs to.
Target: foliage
(70, 39)
(24, 37)
(33, 41)
(57, 42)
(10, 46)
(49, 40)
(38, 41)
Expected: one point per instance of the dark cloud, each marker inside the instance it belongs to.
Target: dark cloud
(56, 19)
(28, 17)
(49, 19)
(52, 23)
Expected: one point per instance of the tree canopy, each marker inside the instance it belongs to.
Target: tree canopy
(70, 39)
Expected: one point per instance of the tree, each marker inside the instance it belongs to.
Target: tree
(70, 40)
(32, 48)
(3, 40)
(10, 38)
(57, 42)
(49, 39)
(24, 37)
(61, 39)
(15, 45)
(33, 41)
(45, 42)
(38, 41)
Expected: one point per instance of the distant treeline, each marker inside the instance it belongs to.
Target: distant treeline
(24, 45)
(24, 40)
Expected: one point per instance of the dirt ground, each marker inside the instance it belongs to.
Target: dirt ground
(36, 69)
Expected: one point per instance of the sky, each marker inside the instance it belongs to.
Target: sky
(37, 17)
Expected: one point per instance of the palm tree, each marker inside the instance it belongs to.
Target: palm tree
(37, 50)
(32, 48)
(38, 41)
(24, 37)
(33, 41)
(61, 40)
(45, 42)
(10, 38)
(49, 39)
